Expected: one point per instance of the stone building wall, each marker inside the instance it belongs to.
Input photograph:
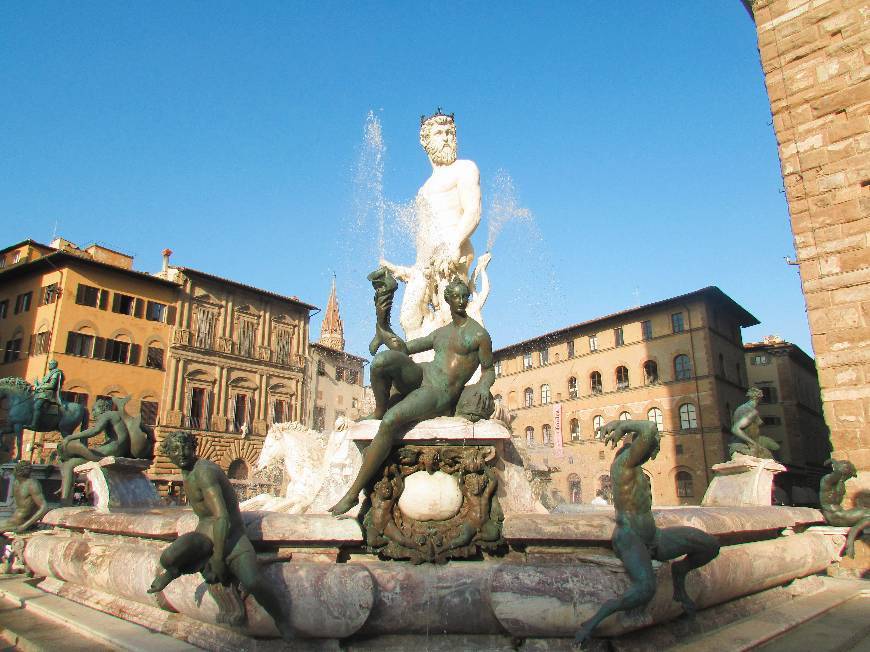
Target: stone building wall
(815, 60)
(707, 335)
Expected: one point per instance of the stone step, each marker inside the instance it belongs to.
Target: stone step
(791, 621)
(31, 619)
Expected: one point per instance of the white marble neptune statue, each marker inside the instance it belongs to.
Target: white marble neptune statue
(447, 213)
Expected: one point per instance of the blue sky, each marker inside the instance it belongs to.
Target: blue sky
(637, 134)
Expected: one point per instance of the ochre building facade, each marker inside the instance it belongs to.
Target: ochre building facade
(679, 362)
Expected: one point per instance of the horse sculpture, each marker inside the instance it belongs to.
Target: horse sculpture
(64, 418)
(318, 467)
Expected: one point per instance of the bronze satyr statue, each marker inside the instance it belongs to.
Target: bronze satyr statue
(745, 424)
(832, 490)
(636, 539)
(219, 548)
(426, 390)
(30, 505)
(125, 436)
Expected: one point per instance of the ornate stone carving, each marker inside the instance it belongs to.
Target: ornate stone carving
(181, 336)
(435, 503)
(225, 344)
(264, 353)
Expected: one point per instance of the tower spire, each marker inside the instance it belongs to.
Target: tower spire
(331, 329)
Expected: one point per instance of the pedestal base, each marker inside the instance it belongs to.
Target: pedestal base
(120, 482)
(743, 480)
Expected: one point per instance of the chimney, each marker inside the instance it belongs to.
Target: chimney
(166, 254)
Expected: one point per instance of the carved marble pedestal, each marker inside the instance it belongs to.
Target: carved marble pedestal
(120, 482)
(743, 480)
(435, 498)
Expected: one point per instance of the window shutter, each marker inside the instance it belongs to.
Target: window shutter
(30, 346)
(80, 294)
(170, 315)
(104, 299)
(209, 397)
(69, 341)
(99, 348)
(135, 352)
(138, 308)
(116, 302)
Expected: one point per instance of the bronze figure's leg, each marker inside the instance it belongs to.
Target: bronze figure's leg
(633, 552)
(858, 528)
(246, 570)
(67, 479)
(390, 368)
(186, 555)
(699, 547)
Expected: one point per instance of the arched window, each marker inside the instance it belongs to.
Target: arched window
(575, 430)
(528, 397)
(530, 436)
(547, 434)
(682, 367)
(655, 415)
(685, 484)
(238, 470)
(650, 372)
(622, 377)
(625, 416)
(572, 387)
(597, 422)
(595, 382)
(545, 394)
(688, 416)
(605, 486)
(574, 489)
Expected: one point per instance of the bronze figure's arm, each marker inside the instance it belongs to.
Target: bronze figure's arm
(643, 446)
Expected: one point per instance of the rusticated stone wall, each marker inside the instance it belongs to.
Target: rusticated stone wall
(816, 60)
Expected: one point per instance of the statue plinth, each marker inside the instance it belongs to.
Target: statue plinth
(120, 482)
(743, 480)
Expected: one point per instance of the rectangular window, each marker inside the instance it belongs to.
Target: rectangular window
(497, 366)
(48, 294)
(352, 376)
(155, 311)
(339, 374)
(148, 410)
(570, 348)
(768, 395)
(79, 344)
(321, 368)
(319, 418)
(197, 408)
(22, 302)
(117, 351)
(87, 295)
(679, 448)
(4, 308)
(154, 357)
(544, 356)
(527, 360)
(646, 329)
(75, 397)
(618, 337)
(13, 350)
(593, 343)
(122, 304)
(677, 322)
(247, 337)
(41, 343)
(205, 327)
(282, 346)
(772, 421)
(240, 411)
(759, 359)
